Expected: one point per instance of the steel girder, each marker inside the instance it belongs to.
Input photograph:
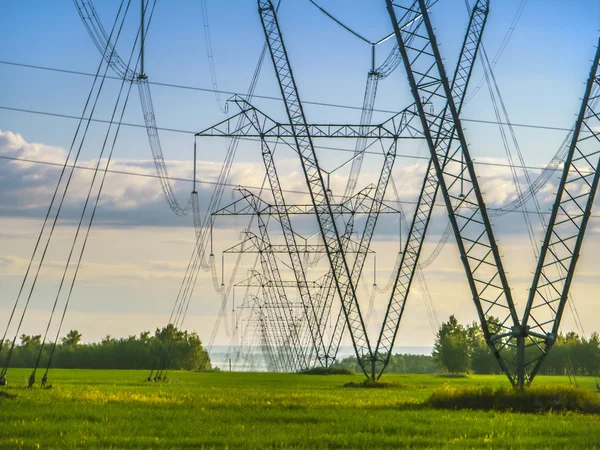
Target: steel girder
(314, 179)
(460, 188)
(420, 221)
(564, 236)
(396, 127)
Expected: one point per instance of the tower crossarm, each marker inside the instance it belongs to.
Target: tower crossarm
(467, 212)
(257, 279)
(398, 126)
(422, 216)
(247, 205)
(359, 203)
(252, 244)
(566, 229)
(230, 128)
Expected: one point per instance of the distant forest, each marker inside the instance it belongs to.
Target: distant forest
(462, 349)
(457, 349)
(183, 350)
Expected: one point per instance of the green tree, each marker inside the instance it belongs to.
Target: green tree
(451, 349)
(31, 341)
(185, 351)
(145, 336)
(72, 339)
(593, 354)
(108, 339)
(482, 359)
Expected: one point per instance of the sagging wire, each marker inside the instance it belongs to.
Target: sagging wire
(56, 193)
(98, 34)
(93, 214)
(211, 60)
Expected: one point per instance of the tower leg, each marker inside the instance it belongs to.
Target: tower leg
(521, 361)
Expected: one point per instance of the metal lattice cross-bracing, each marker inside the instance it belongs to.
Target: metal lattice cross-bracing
(458, 183)
(565, 232)
(277, 295)
(290, 241)
(427, 196)
(314, 179)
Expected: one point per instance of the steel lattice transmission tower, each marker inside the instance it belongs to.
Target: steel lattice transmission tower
(519, 347)
(519, 344)
(261, 126)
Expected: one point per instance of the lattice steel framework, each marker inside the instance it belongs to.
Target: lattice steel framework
(566, 228)
(520, 346)
(314, 179)
(396, 127)
(276, 295)
(368, 201)
(262, 126)
(427, 196)
(249, 205)
(458, 183)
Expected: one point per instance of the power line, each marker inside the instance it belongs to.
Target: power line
(267, 97)
(137, 174)
(190, 180)
(174, 130)
(69, 116)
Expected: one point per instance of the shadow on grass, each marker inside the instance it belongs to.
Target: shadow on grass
(452, 375)
(327, 371)
(368, 384)
(7, 395)
(536, 399)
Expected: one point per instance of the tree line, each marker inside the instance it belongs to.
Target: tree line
(399, 363)
(462, 349)
(458, 349)
(169, 348)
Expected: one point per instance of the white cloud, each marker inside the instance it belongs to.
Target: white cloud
(14, 145)
(29, 186)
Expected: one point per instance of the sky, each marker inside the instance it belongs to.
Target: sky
(138, 250)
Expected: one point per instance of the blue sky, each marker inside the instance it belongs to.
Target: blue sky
(541, 75)
(550, 48)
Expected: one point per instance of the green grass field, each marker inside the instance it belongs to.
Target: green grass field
(116, 409)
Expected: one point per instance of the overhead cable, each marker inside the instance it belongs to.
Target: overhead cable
(264, 97)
